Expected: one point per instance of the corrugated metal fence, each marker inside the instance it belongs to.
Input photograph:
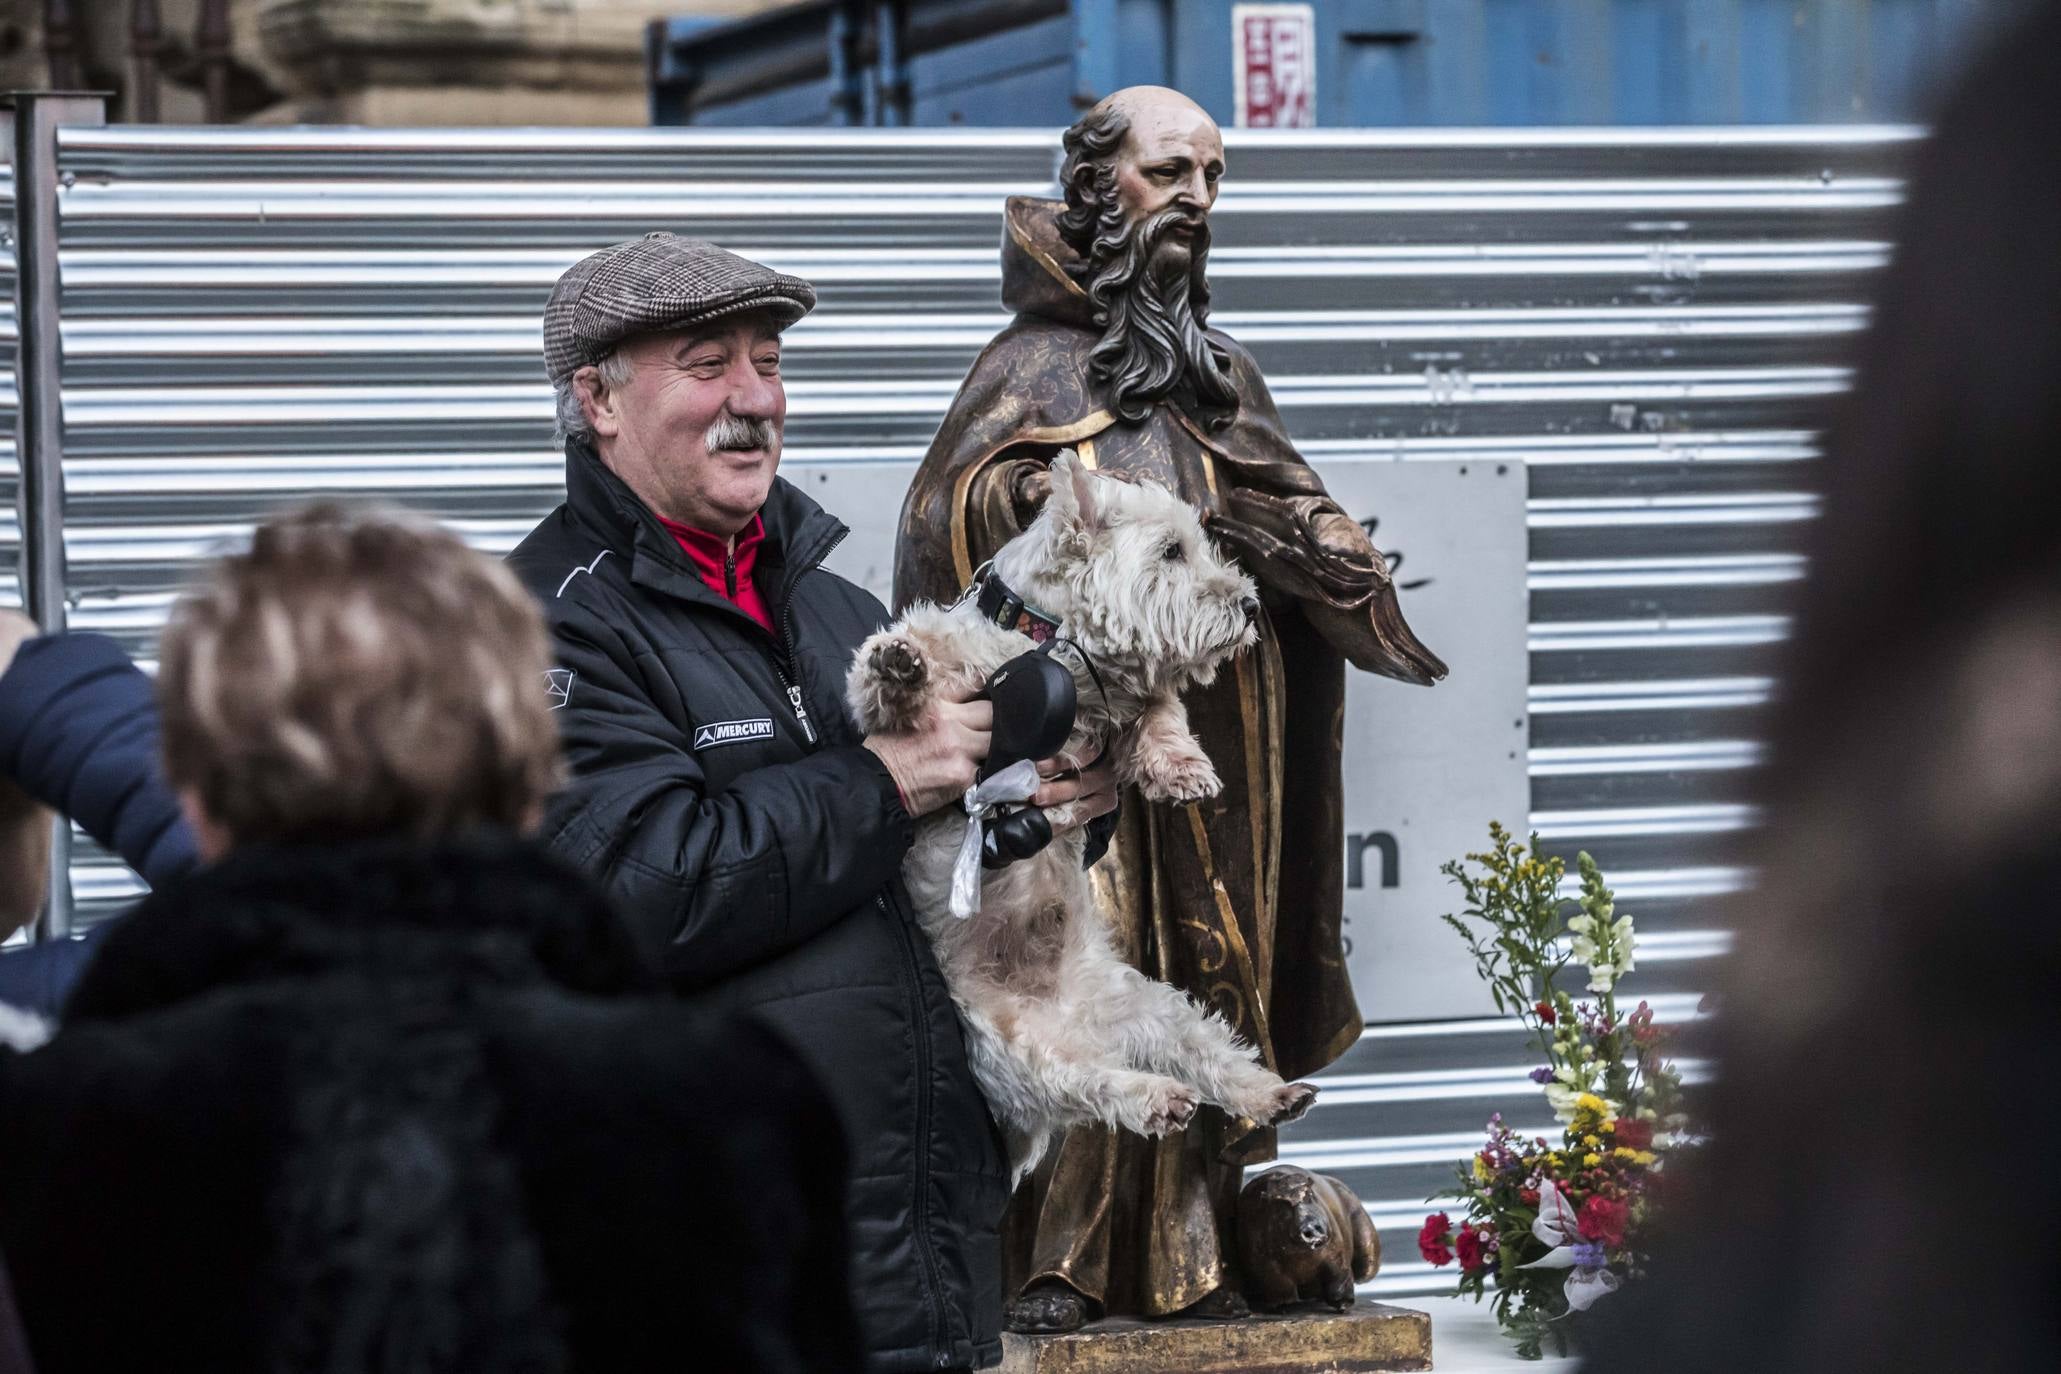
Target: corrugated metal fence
(1651, 320)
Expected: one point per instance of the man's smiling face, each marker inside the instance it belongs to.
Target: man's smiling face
(695, 431)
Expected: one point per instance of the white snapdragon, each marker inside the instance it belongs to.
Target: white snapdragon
(1605, 945)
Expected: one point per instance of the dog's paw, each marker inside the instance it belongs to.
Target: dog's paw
(1180, 778)
(1287, 1103)
(1168, 1107)
(898, 665)
(888, 683)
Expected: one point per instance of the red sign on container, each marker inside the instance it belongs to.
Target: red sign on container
(1274, 60)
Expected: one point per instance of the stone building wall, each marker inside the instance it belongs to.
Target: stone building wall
(381, 62)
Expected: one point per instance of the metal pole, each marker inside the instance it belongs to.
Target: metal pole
(39, 436)
(61, 43)
(146, 42)
(211, 45)
(891, 62)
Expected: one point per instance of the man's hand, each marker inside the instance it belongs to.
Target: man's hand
(934, 763)
(1073, 797)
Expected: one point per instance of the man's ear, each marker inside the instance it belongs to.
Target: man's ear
(597, 402)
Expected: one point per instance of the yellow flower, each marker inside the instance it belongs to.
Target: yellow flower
(1592, 1104)
(1593, 1142)
(1591, 1160)
(1481, 1170)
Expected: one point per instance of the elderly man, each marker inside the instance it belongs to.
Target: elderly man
(721, 791)
(1238, 901)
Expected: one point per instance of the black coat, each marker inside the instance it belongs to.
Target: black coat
(721, 794)
(408, 1109)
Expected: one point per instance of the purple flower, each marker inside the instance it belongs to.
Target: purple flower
(1588, 1255)
(1542, 1075)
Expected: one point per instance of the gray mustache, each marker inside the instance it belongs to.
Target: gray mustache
(737, 432)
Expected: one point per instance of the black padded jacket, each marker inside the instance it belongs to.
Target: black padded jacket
(721, 795)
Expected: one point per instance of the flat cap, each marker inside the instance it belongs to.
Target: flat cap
(658, 282)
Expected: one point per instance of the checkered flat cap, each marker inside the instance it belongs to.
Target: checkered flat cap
(658, 282)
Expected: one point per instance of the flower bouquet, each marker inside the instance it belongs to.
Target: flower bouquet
(1555, 1225)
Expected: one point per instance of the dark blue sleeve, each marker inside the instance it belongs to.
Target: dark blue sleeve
(79, 733)
(40, 978)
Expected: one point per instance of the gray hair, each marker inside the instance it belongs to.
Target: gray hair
(615, 370)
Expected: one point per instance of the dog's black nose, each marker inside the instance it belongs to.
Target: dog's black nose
(1251, 606)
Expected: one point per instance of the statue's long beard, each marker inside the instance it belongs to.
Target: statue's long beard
(1152, 306)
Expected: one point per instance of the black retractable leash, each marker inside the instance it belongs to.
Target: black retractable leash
(1035, 705)
(1034, 710)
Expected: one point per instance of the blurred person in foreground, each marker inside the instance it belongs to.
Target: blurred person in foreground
(720, 789)
(1877, 1194)
(381, 1085)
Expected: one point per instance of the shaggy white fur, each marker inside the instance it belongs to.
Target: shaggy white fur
(1061, 1030)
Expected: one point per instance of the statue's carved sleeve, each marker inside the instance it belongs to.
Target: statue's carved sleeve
(1286, 528)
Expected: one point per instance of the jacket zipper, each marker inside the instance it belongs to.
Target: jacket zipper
(914, 988)
(730, 571)
(786, 664)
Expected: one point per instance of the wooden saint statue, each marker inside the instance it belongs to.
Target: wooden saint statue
(1236, 900)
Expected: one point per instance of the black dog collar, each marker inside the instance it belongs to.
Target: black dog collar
(1000, 606)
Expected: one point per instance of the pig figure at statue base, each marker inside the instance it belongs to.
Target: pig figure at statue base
(1303, 1237)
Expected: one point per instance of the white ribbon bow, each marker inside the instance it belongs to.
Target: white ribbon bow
(1558, 1227)
(1015, 783)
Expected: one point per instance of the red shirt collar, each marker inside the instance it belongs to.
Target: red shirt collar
(708, 551)
(726, 571)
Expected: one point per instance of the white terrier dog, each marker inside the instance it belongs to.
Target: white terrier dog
(1062, 1031)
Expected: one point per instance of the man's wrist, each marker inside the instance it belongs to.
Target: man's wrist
(894, 779)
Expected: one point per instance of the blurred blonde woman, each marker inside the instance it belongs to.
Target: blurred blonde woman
(379, 1086)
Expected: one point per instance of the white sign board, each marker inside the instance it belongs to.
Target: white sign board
(1274, 66)
(1426, 769)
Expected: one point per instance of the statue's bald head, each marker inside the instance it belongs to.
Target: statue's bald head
(1142, 150)
(1151, 105)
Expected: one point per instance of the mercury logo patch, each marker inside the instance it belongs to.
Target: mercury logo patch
(732, 732)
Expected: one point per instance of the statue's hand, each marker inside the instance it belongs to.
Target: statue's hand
(1341, 536)
(1028, 489)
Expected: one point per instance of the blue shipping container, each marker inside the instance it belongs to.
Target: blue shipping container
(1377, 62)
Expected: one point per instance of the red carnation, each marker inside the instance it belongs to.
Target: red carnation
(1431, 1241)
(1473, 1254)
(1634, 1134)
(1545, 1011)
(1528, 1196)
(1603, 1220)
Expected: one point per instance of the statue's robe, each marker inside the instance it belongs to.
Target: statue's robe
(1236, 900)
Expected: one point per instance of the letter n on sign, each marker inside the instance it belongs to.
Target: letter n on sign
(1274, 65)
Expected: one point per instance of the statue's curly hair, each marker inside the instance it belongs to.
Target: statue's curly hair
(1088, 176)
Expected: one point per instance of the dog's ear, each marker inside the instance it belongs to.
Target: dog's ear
(1073, 500)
